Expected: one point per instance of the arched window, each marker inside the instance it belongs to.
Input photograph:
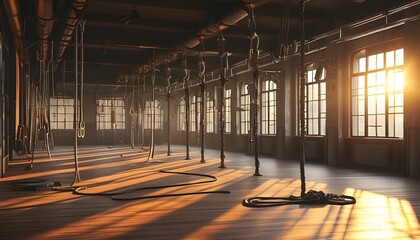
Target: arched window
(316, 101)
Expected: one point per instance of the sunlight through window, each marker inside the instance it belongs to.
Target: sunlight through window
(378, 95)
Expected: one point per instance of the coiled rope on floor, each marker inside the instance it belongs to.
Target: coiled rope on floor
(123, 194)
(311, 197)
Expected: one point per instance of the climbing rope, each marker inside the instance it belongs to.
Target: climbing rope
(254, 42)
(123, 194)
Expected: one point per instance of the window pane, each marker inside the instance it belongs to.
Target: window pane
(380, 61)
(399, 57)
(372, 62)
(399, 125)
(390, 59)
(362, 65)
(315, 99)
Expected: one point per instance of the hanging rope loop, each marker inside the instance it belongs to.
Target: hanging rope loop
(82, 131)
(224, 56)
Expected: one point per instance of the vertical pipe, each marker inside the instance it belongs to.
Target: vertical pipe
(302, 99)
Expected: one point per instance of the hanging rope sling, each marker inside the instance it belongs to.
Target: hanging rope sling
(77, 177)
(81, 131)
(132, 112)
(312, 196)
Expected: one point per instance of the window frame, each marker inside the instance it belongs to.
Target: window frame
(193, 113)
(106, 112)
(228, 111)
(245, 109)
(316, 98)
(268, 107)
(210, 115)
(364, 92)
(67, 121)
(149, 116)
(181, 124)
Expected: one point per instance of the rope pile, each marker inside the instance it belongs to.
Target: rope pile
(311, 197)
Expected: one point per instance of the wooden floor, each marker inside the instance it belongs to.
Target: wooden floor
(388, 207)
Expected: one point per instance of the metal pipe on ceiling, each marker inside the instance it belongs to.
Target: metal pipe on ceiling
(229, 18)
(72, 18)
(45, 21)
(11, 7)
